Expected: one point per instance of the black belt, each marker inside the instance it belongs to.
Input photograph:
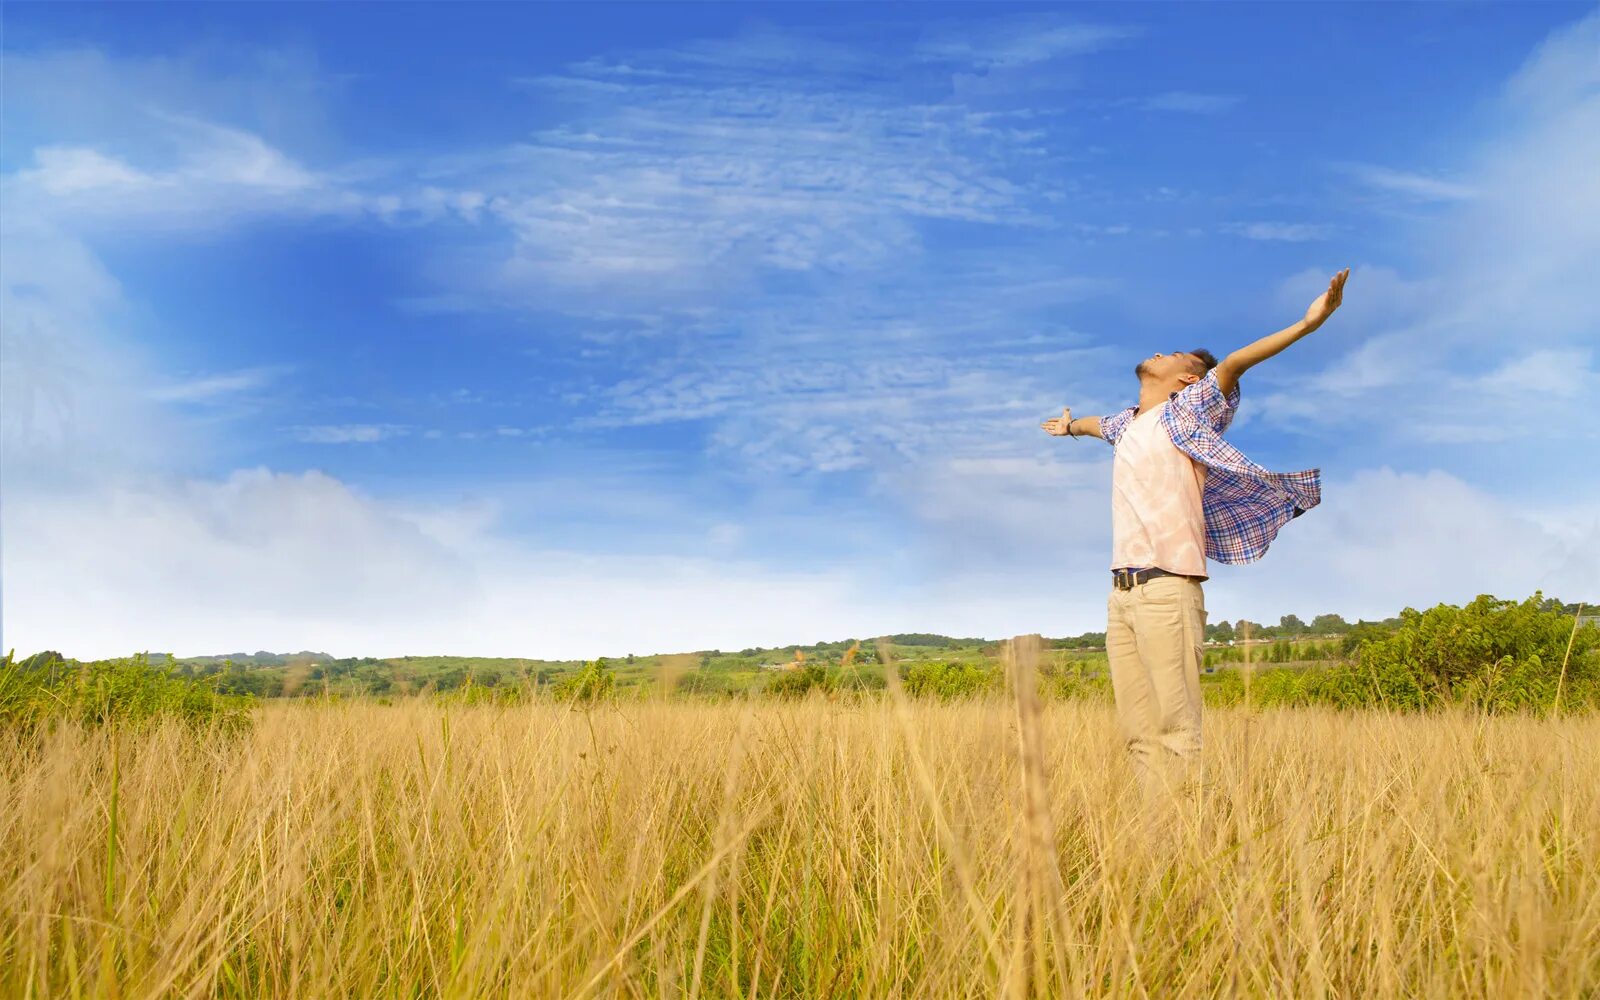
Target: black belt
(1127, 579)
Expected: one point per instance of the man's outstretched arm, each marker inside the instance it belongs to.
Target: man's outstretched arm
(1236, 364)
(1067, 425)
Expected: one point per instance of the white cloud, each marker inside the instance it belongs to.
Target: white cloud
(1552, 389)
(1496, 324)
(1416, 185)
(66, 171)
(220, 175)
(1189, 102)
(202, 176)
(1383, 540)
(348, 433)
(1564, 70)
(210, 388)
(694, 174)
(71, 378)
(1290, 232)
(1019, 41)
(274, 561)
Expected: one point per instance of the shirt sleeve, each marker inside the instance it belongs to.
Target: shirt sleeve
(1111, 427)
(1206, 401)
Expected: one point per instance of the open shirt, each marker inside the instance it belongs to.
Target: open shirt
(1244, 504)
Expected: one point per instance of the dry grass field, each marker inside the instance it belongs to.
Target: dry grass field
(872, 848)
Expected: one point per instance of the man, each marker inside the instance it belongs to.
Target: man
(1181, 495)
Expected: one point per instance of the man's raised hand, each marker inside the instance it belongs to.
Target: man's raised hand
(1058, 425)
(1328, 301)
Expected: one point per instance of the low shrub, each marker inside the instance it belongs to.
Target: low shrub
(801, 681)
(938, 679)
(594, 681)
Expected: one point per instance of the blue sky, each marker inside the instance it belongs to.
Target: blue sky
(576, 330)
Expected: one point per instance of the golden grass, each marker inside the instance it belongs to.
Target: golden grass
(878, 849)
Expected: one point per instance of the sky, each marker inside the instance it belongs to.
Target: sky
(565, 331)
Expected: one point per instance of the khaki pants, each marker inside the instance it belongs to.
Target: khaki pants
(1155, 641)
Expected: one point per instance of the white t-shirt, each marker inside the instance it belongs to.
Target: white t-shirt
(1156, 515)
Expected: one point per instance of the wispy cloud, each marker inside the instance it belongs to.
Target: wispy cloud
(348, 433)
(1561, 72)
(205, 176)
(1188, 102)
(1288, 232)
(1496, 318)
(1420, 186)
(1019, 41)
(209, 388)
(687, 182)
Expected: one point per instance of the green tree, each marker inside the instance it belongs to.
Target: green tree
(1329, 625)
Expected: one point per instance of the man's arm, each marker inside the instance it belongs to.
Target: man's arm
(1236, 364)
(1067, 425)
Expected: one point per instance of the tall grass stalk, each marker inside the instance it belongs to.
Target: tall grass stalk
(1561, 680)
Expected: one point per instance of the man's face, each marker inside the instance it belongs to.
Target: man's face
(1168, 366)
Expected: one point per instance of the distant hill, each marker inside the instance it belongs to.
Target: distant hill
(260, 658)
(409, 670)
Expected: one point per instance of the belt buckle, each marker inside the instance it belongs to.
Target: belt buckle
(1123, 579)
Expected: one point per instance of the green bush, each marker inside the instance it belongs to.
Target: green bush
(594, 681)
(1088, 678)
(1284, 686)
(39, 690)
(797, 683)
(937, 679)
(471, 692)
(1494, 655)
(1490, 655)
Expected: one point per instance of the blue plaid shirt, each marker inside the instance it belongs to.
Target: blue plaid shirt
(1244, 504)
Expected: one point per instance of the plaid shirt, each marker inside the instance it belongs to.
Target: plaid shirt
(1244, 504)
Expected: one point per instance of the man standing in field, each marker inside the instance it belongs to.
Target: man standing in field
(1181, 495)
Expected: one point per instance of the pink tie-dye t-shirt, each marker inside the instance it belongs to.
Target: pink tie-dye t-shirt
(1156, 515)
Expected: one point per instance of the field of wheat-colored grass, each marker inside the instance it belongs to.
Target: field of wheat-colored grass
(873, 848)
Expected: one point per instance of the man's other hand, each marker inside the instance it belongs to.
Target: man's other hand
(1328, 301)
(1058, 425)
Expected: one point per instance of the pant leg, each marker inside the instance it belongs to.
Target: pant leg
(1169, 626)
(1130, 683)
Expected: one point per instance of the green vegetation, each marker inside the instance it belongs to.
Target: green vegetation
(942, 679)
(1490, 655)
(592, 683)
(46, 687)
(1493, 655)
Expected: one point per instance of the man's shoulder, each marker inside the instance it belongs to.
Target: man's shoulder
(1206, 401)
(1113, 424)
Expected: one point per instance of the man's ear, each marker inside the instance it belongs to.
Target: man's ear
(1189, 378)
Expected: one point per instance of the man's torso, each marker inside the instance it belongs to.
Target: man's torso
(1157, 518)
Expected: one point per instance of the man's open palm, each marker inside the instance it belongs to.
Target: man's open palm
(1058, 425)
(1328, 301)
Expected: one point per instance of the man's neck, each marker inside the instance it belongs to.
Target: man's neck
(1152, 395)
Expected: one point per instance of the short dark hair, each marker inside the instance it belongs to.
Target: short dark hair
(1206, 358)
